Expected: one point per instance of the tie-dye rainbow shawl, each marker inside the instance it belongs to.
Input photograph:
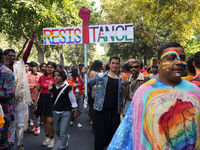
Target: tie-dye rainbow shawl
(161, 117)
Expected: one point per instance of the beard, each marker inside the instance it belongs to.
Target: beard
(154, 71)
(135, 72)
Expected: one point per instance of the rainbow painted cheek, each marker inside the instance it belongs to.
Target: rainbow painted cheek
(165, 63)
(166, 66)
(184, 63)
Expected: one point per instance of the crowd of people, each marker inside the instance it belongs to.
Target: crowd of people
(133, 106)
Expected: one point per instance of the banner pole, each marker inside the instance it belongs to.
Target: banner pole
(86, 94)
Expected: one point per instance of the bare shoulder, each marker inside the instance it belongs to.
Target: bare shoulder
(91, 74)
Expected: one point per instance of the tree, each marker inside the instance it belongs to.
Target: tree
(192, 46)
(18, 18)
(160, 21)
(137, 49)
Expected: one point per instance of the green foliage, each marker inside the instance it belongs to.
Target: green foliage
(159, 21)
(19, 17)
(192, 45)
(137, 49)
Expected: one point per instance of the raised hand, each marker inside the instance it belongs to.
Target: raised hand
(33, 35)
(50, 89)
(84, 13)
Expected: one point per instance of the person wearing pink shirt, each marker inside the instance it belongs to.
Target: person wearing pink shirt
(33, 78)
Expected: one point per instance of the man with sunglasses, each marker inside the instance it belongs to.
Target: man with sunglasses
(134, 81)
(22, 92)
(164, 112)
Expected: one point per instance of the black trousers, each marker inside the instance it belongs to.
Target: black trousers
(106, 123)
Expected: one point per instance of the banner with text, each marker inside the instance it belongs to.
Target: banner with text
(97, 34)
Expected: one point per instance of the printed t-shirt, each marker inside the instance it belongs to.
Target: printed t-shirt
(45, 82)
(33, 79)
(161, 117)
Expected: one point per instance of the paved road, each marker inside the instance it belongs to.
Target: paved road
(80, 138)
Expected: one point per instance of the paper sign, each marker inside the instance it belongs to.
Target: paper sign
(111, 33)
(97, 34)
(64, 35)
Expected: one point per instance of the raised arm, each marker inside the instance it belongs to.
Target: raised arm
(29, 47)
(92, 81)
(38, 88)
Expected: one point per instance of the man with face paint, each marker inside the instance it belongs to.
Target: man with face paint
(134, 81)
(164, 112)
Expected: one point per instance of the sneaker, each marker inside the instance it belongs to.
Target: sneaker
(51, 143)
(31, 123)
(37, 131)
(71, 123)
(67, 141)
(91, 122)
(46, 141)
(32, 129)
(21, 147)
(67, 144)
(85, 105)
(78, 125)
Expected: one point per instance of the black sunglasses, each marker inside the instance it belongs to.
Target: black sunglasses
(131, 67)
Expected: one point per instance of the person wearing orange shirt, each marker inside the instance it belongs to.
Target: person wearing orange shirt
(190, 69)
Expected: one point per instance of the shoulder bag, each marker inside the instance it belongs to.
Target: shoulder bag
(60, 93)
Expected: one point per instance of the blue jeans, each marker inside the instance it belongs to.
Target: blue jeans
(61, 127)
